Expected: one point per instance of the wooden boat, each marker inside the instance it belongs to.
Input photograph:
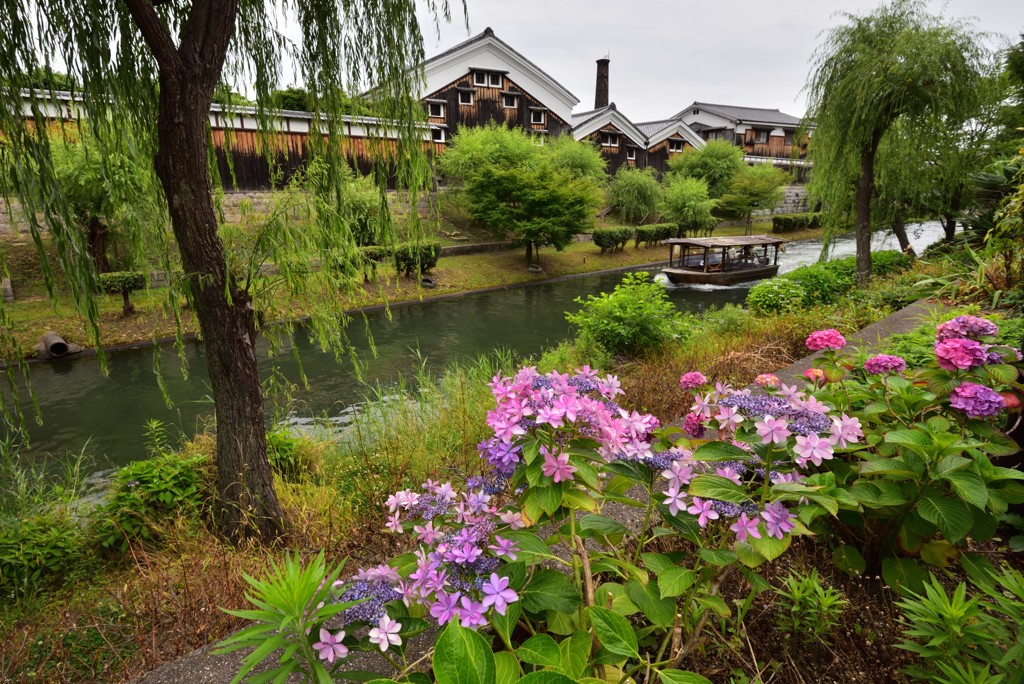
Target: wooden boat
(722, 260)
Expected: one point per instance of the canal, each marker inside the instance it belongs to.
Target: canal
(106, 416)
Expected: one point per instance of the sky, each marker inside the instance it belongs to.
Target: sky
(666, 54)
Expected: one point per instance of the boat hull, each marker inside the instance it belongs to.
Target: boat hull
(683, 276)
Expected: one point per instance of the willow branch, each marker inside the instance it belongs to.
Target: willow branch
(155, 34)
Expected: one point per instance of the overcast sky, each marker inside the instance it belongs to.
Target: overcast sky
(666, 54)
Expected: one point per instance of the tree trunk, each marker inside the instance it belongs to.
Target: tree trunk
(126, 304)
(247, 505)
(862, 223)
(949, 224)
(899, 228)
(97, 241)
(529, 253)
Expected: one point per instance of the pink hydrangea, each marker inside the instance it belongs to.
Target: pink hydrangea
(959, 353)
(826, 339)
(971, 327)
(885, 363)
(815, 375)
(692, 425)
(977, 401)
(692, 380)
(767, 380)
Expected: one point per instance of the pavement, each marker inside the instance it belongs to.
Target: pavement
(205, 667)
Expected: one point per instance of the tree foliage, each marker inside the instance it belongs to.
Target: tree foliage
(153, 69)
(687, 203)
(897, 62)
(717, 163)
(760, 187)
(539, 195)
(634, 194)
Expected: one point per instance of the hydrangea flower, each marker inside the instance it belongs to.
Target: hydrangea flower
(829, 338)
(558, 467)
(970, 327)
(812, 448)
(885, 363)
(330, 647)
(704, 510)
(977, 401)
(744, 527)
(385, 634)
(772, 430)
(692, 380)
(778, 520)
(497, 593)
(815, 375)
(959, 353)
(769, 380)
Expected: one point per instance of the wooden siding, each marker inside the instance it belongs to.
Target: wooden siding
(616, 156)
(778, 146)
(658, 155)
(290, 152)
(488, 105)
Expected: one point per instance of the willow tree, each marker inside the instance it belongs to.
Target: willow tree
(152, 67)
(896, 62)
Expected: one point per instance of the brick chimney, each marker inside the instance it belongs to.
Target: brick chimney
(601, 92)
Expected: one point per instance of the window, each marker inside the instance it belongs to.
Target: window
(609, 139)
(438, 135)
(510, 101)
(631, 154)
(436, 109)
(696, 112)
(494, 80)
(538, 116)
(465, 97)
(761, 137)
(675, 145)
(480, 78)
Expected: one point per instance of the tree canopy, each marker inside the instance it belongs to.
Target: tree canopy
(717, 163)
(153, 69)
(897, 62)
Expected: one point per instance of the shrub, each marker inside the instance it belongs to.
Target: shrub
(790, 223)
(417, 257)
(37, 550)
(654, 233)
(634, 194)
(774, 296)
(124, 283)
(821, 284)
(717, 163)
(148, 494)
(807, 609)
(373, 255)
(609, 239)
(889, 261)
(635, 318)
(687, 203)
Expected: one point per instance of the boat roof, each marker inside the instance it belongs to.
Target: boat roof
(726, 241)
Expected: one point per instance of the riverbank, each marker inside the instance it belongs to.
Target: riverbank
(32, 313)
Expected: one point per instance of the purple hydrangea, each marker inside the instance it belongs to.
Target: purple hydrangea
(977, 401)
(800, 421)
(692, 380)
(885, 363)
(959, 353)
(971, 327)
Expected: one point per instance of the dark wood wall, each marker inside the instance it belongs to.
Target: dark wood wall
(658, 155)
(617, 157)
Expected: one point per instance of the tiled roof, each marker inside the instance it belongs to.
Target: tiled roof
(583, 117)
(649, 128)
(769, 116)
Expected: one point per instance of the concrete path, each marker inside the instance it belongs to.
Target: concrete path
(205, 667)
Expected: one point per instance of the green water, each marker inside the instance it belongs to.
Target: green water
(106, 416)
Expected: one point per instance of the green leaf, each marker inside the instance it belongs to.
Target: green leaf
(939, 553)
(674, 581)
(614, 632)
(621, 603)
(575, 652)
(717, 557)
(550, 590)
(506, 667)
(951, 516)
(660, 611)
(748, 555)
(968, 486)
(1002, 373)
(546, 677)
(461, 656)
(717, 487)
(915, 439)
(848, 559)
(770, 547)
(681, 677)
(531, 549)
(719, 451)
(602, 526)
(904, 574)
(540, 650)
(505, 624)
(894, 467)
(716, 604)
(657, 562)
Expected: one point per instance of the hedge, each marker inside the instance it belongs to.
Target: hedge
(611, 238)
(790, 223)
(654, 233)
(124, 283)
(417, 257)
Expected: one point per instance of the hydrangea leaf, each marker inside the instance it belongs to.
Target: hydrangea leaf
(614, 632)
(461, 656)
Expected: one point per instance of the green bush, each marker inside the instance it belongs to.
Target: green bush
(790, 223)
(417, 257)
(38, 550)
(774, 296)
(611, 238)
(634, 194)
(149, 494)
(821, 284)
(654, 233)
(635, 318)
(687, 203)
(373, 256)
(124, 283)
(888, 262)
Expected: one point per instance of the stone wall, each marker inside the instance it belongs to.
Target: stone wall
(6, 291)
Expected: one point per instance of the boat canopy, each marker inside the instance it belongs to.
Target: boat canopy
(726, 241)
